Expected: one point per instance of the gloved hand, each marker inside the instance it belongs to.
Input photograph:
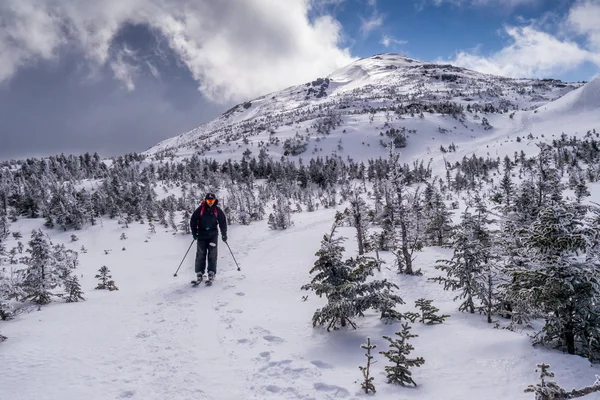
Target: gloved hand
(224, 237)
(195, 236)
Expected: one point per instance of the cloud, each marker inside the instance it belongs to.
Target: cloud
(235, 50)
(478, 3)
(584, 19)
(532, 54)
(388, 41)
(542, 49)
(369, 24)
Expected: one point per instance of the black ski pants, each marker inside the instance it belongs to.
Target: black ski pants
(207, 249)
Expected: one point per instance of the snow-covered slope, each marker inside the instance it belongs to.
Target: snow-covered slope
(583, 99)
(249, 336)
(376, 93)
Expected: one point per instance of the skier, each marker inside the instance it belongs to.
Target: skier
(204, 224)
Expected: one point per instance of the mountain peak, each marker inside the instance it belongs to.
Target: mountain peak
(372, 66)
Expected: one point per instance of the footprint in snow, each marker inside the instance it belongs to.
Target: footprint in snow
(273, 389)
(236, 311)
(143, 335)
(227, 287)
(241, 293)
(337, 391)
(127, 394)
(321, 364)
(273, 339)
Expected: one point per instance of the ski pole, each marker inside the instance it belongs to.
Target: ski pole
(186, 253)
(238, 266)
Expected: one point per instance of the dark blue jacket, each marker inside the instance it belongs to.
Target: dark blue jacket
(205, 220)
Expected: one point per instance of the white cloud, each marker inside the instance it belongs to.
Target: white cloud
(532, 53)
(584, 19)
(370, 24)
(542, 49)
(502, 3)
(234, 49)
(388, 41)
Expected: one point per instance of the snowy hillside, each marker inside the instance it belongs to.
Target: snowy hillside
(496, 171)
(356, 103)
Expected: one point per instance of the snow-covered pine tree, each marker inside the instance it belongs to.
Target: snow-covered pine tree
(468, 270)
(105, 281)
(367, 383)
(281, 218)
(184, 224)
(344, 284)
(357, 214)
(73, 289)
(428, 312)
(171, 218)
(561, 280)
(6, 310)
(438, 225)
(550, 390)
(399, 371)
(4, 226)
(41, 275)
(407, 221)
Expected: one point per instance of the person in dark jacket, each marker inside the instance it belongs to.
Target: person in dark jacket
(204, 222)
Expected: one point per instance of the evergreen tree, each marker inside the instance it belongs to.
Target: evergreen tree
(281, 218)
(550, 390)
(406, 221)
(41, 275)
(399, 371)
(438, 218)
(358, 210)
(344, 284)
(367, 383)
(73, 289)
(105, 281)
(561, 279)
(469, 268)
(428, 311)
(184, 224)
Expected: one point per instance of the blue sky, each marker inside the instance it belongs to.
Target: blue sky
(434, 30)
(115, 76)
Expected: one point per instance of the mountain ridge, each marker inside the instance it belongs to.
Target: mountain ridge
(384, 84)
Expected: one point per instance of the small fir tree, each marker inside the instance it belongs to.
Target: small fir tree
(105, 281)
(367, 383)
(184, 224)
(73, 289)
(467, 271)
(428, 311)
(344, 284)
(398, 372)
(550, 390)
(41, 275)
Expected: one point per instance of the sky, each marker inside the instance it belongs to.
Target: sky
(118, 76)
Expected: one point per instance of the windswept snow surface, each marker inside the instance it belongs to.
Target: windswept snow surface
(249, 336)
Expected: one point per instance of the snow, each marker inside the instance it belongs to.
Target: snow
(583, 99)
(250, 336)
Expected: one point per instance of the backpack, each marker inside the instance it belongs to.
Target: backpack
(202, 210)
